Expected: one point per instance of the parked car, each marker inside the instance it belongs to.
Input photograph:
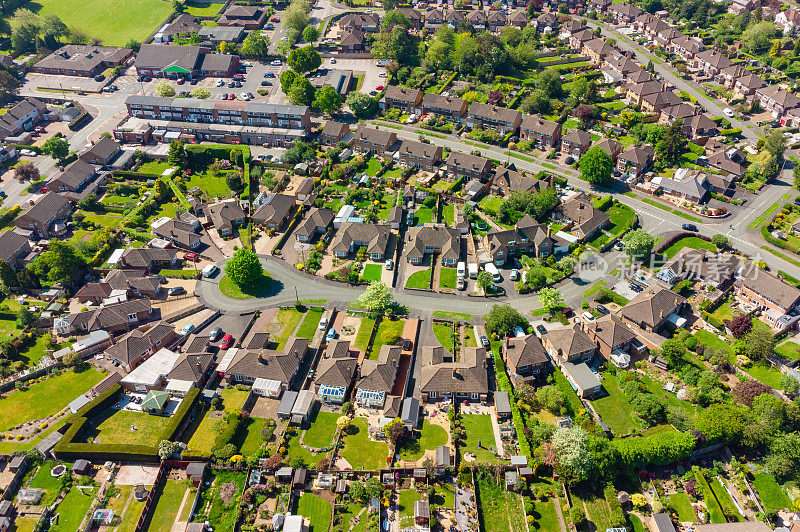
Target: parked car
(244, 96)
(541, 329)
(276, 62)
(266, 83)
(461, 284)
(27, 153)
(99, 77)
(323, 322)
(602, 309)
(570, 160)
(635, 287)
(176, 291)
(214, 334)
(728, 112)
(389, 264)
(226, 342)
(189, 327)
(274, 19)
(382, 75)
(191, 257)
(180, 81)
(619, 246)
(250, 95)
(514, 275)
(331, 334)
(484, 341)
(270, 74)
(333, 60)
(518, 331)
(220, 83)
(689, 227)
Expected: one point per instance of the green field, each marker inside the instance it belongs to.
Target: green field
(772, 494)
(214, 186)
(248, 438)
(447, 277)
(202, 9)
(419, 279)
(317, 510)
(44, 480)
(113, 21)
(789, 350)
(423, 215)
(320, 434)
(431, 437)
(361, 452)
(364, 333)
(169, 502)
(115, 427)
(45, 398)
(310, 323)
(372, 272)
(259, 288)
(622, 218)
(500, 510)
(692, 242)
(479, 430)
(202, 438)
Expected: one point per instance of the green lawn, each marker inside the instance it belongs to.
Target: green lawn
(214, 186)
(725, 501)
(715, 513)
(351, 511)
(115, 428)
(44, 480)
(444, 333)
(230, 289)
(681, 503)
(712, 340)
(360, 451)
(443, 495)
(692, 242)
(233, 399)
(615, 409)
(106, 220)
(491, 204)
(317, 510)
(545, 516)
(113, 21)
(419, 279)
(423, 215)
(72, 509)
(789, 350)
(447, 278)
(310, 323)
(407, 498)
(769, 375)
(130, 516)
(249, 438)
(372, 272)
(32, 355)
(373, 165)
(295, 450)
(45, 398)
(479, 429)
(155, 167)
(289, 318)
(599, 240)
(431, 437)
(463, 316)
(598, 512)
(388, 332)
(202, 9)
(596, 287)
(500, 510)
(202, 438)
(364, 333)
(320, 434)
(622, 217)
(448, 213)
(771, 493)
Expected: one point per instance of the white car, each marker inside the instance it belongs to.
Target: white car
(728, 112)
(27, 153)
(323, 322)
(220, 83)
(244, 96)
(514, 275)
(277, 62)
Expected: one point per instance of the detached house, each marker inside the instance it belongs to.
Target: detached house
(623, 12)
(402, 98)
(180, 234)
(102, 152)
(336, 372)
(435, 239)
(314, 224)
(378, 377)
(114, 318)
(269, 372)
(525, 358)
(15, 248)
(612, 336)
(527, 238)
(47, 217)
(652, 309)
(571, 348)
(275, 211)
(352, 236)
(247, 17)
(635, 159)
(140, 343)
(777, 100)
(544, 133)
(768, 293)
(148, 259)
(581, 217)
(226, 216)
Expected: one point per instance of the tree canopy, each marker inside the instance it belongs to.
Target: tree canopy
(244, 268)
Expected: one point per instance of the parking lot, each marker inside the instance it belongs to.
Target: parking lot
(367, 67)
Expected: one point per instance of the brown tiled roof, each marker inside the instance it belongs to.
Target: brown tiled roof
(314, 218)
(10, 242)
(375, 136)
(109, 316)
(421, 150)
(336, 371)
(524, 351)
(438, 236)
(379, 375)
(465, 376)
(403, 94)
(652, 306)
(333, 128)
(94, 290)
(136, 343)
(338, 349)
(105, 148)
(376, 237)
(145, 257)
(274, 209)
(503, 114)
(769, 286)
(467, 161)
(44, 209)
(583, 213)
(124, 279)
(191, 366)
(610, 330)
(570, 340)
(578, 137)
(540, 125)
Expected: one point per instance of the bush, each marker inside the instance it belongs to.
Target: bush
(233, 420)
(604, 203)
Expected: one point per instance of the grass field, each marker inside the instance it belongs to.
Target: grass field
(372, 272)
(479, 429)
(72, 509)
(725, 501)
(444, 495)
(45, 398)
(772, 494)
(682, 505)
(769, 375)
(388, 332)
(289, 318)
(545, 516)
(431, 437)
(715, 513)
(364, 333)
(259, 288)
(444, 333)
(622, 218)
(105, 220)
(317, 510)
(615, 409)
(360, 451)
(423, 215)
(310, 323)
(115, 427)
(692, 242)
(295, 450)
(248, 438)
(419, 279)
(448, 213)
(113, 21)
(447, 277)
(214, 186)
(407, 498)
(202, 438)
(233, 400)
(131, 514)
(321, 431)
(202, 9)
(500, 510)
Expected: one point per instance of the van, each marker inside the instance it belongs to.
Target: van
(492, 269)
(210, 270)
(473, 270)
(461, 270)
(587, 316)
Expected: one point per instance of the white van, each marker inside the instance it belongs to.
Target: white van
(210, 270)
(491, 268)
(473, 270)
(461, 270)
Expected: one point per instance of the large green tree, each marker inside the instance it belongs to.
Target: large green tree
(59, 263)
(256, 44)
(304, 59)
(502, 319)
(376, 298)
(362, 105)
(56, 147)
(673, 144)
(328, 100)
(301, 92)
(638, 243)
(244, 268)
(596, 166)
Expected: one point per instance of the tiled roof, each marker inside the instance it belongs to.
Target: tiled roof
(524, 351)
(570, 340)
(652, 306)
(610, 330)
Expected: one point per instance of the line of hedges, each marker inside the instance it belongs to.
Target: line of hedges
(234, 419)
(713, 320)
(136, 235)
(12, 213)
(766, 235)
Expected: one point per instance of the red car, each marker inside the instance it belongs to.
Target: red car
(226, 342)
(379, 87)
(180, 81)
(274, 19)
(44, 189)
(191, 256)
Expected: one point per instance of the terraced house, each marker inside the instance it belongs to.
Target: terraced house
(419, 155)
(544, 133)
(468, 166)
(437, 239)
(47, 217)
(406, 100)
(449, 107)
(373, 141)
(500, 119)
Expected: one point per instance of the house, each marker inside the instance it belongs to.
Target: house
(453, 18)
(419, 155)
(132, 348)
(151, 375)
(114, 318)
(148, 259)
(448, 107)
(305, 190)
(246, 17)
(700, 125)
(585, 382)
(506, 179)
(47, 217)
(367, 22)
(569, 344)
(652, 309)
(373, 141)
(611, 147)
(102, 152)
(467, 166)
(576, 142)
(227, 215)
(527, 238)
(543, 133)
(577, 39)
(406, 100)
(518, 19)
(15, 248)
(600, 6)
(776, 100)
(728, 160)
(680, 111)
(598, 50)
(747, 84)
(525, 358)
(713, 269)
(581, 217)
(442, 378)
(740, 6)
(73, 177)
(496, 20)
(274, 211)
(23, 116)
(336, 372)
(711, 62)
(352, 40)
(436, 239)
(213, 36)
(378, 377)
(413, 16)
(351, 236)
(333, 133)
(546, 22)
(158, 60)
(500, 119)
(611, 335)
(687, 184)
(395, 218)
(478, 19)
(654, 103)
(82, 60)
(180, 234)
(635, 92)
(635, 159)
(134, 282)
(314, 224)
(623, 12)
(767, 292)
(249, 366)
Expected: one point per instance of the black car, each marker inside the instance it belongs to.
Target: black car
(635, 287)
(266, 83)
(570, 160)
(689, 227)
(99, 77)
(214, 334)
(601, 309)
(541, 329)
(176, 291)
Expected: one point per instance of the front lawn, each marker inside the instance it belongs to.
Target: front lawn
(360, 451)
(447, 278)
(692, 242)
(315, 509)
(420, 279)
(431, 437)
(320, 433)
(289, 318)
(622, 218)
(364, 333)
(372, 272)
(444, 333)
(772, 494)
(480, 437)
(45, 398)
(388, 333)
(310, 323)
(117, 427)
(258, 289)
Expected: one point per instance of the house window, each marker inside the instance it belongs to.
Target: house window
(474, 395)
(432, 395)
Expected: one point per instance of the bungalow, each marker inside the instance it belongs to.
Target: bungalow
(729, 160)
(335, 374)
(314, 224)
(249, 366)
(528, 237)
(131, 349)
(686, 184)
(148, 259)
(419, 155)
(435, 239)
(525, 358)
(180, 234)
(713, 269)
(443, 378)
(500, 119)
(368, 22)
(133, 282)
(352, 236)
(536, 129)
(275, 211)
(226, 216)
(378, 377)
(247, 17)
(576, 142)
(351, 40)
(406, 100)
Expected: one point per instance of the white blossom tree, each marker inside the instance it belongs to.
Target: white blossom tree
(376, 298)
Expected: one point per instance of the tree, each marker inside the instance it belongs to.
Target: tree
(8, 275)
(178, 7)
(395, 18)
(302, 92)
(484, 281)
(638, 243)
(200, 93)
(783, 458)
(287, 80)
(177, 154)
(283, 47)
(376, 298)
(304, 59)
(343, 422)
(760, 343)
(26, 172)
(673, 351)
(71, 359)
(310, 34)
(395, 430)
(721, 241)
(549, 82)
(672, 145)
(25, 317)
(790, 384)
(551, 398)
(234, 182)
(244, 268)
(358, 492)
(256, 44)
(59, 263)
(775, 145)
(596, 166)
(9, 85)
(374, 488)
(164, 89)
(573, 459)
(395, 43)
(502, 319)
(327, 99)
(747, 391)
(56, 147)
(362, 105)
(740, 325)
(167, 448)
(550, 298)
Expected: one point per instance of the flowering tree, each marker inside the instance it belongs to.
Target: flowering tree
(570, 445)
(376, 298)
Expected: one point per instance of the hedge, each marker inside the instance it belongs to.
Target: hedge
(504, 384)
(136, 235)
(189, 400)
(777, 241)
(713, 320)
(31, 147)
(604, 203)
(234, 419)
(12, 213)
(180, 274)
(617, 515)
(604, 295)
(658, 449)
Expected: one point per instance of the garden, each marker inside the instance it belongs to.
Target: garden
(360, 451)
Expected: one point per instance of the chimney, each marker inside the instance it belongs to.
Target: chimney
(549, 230)
(455, 373)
